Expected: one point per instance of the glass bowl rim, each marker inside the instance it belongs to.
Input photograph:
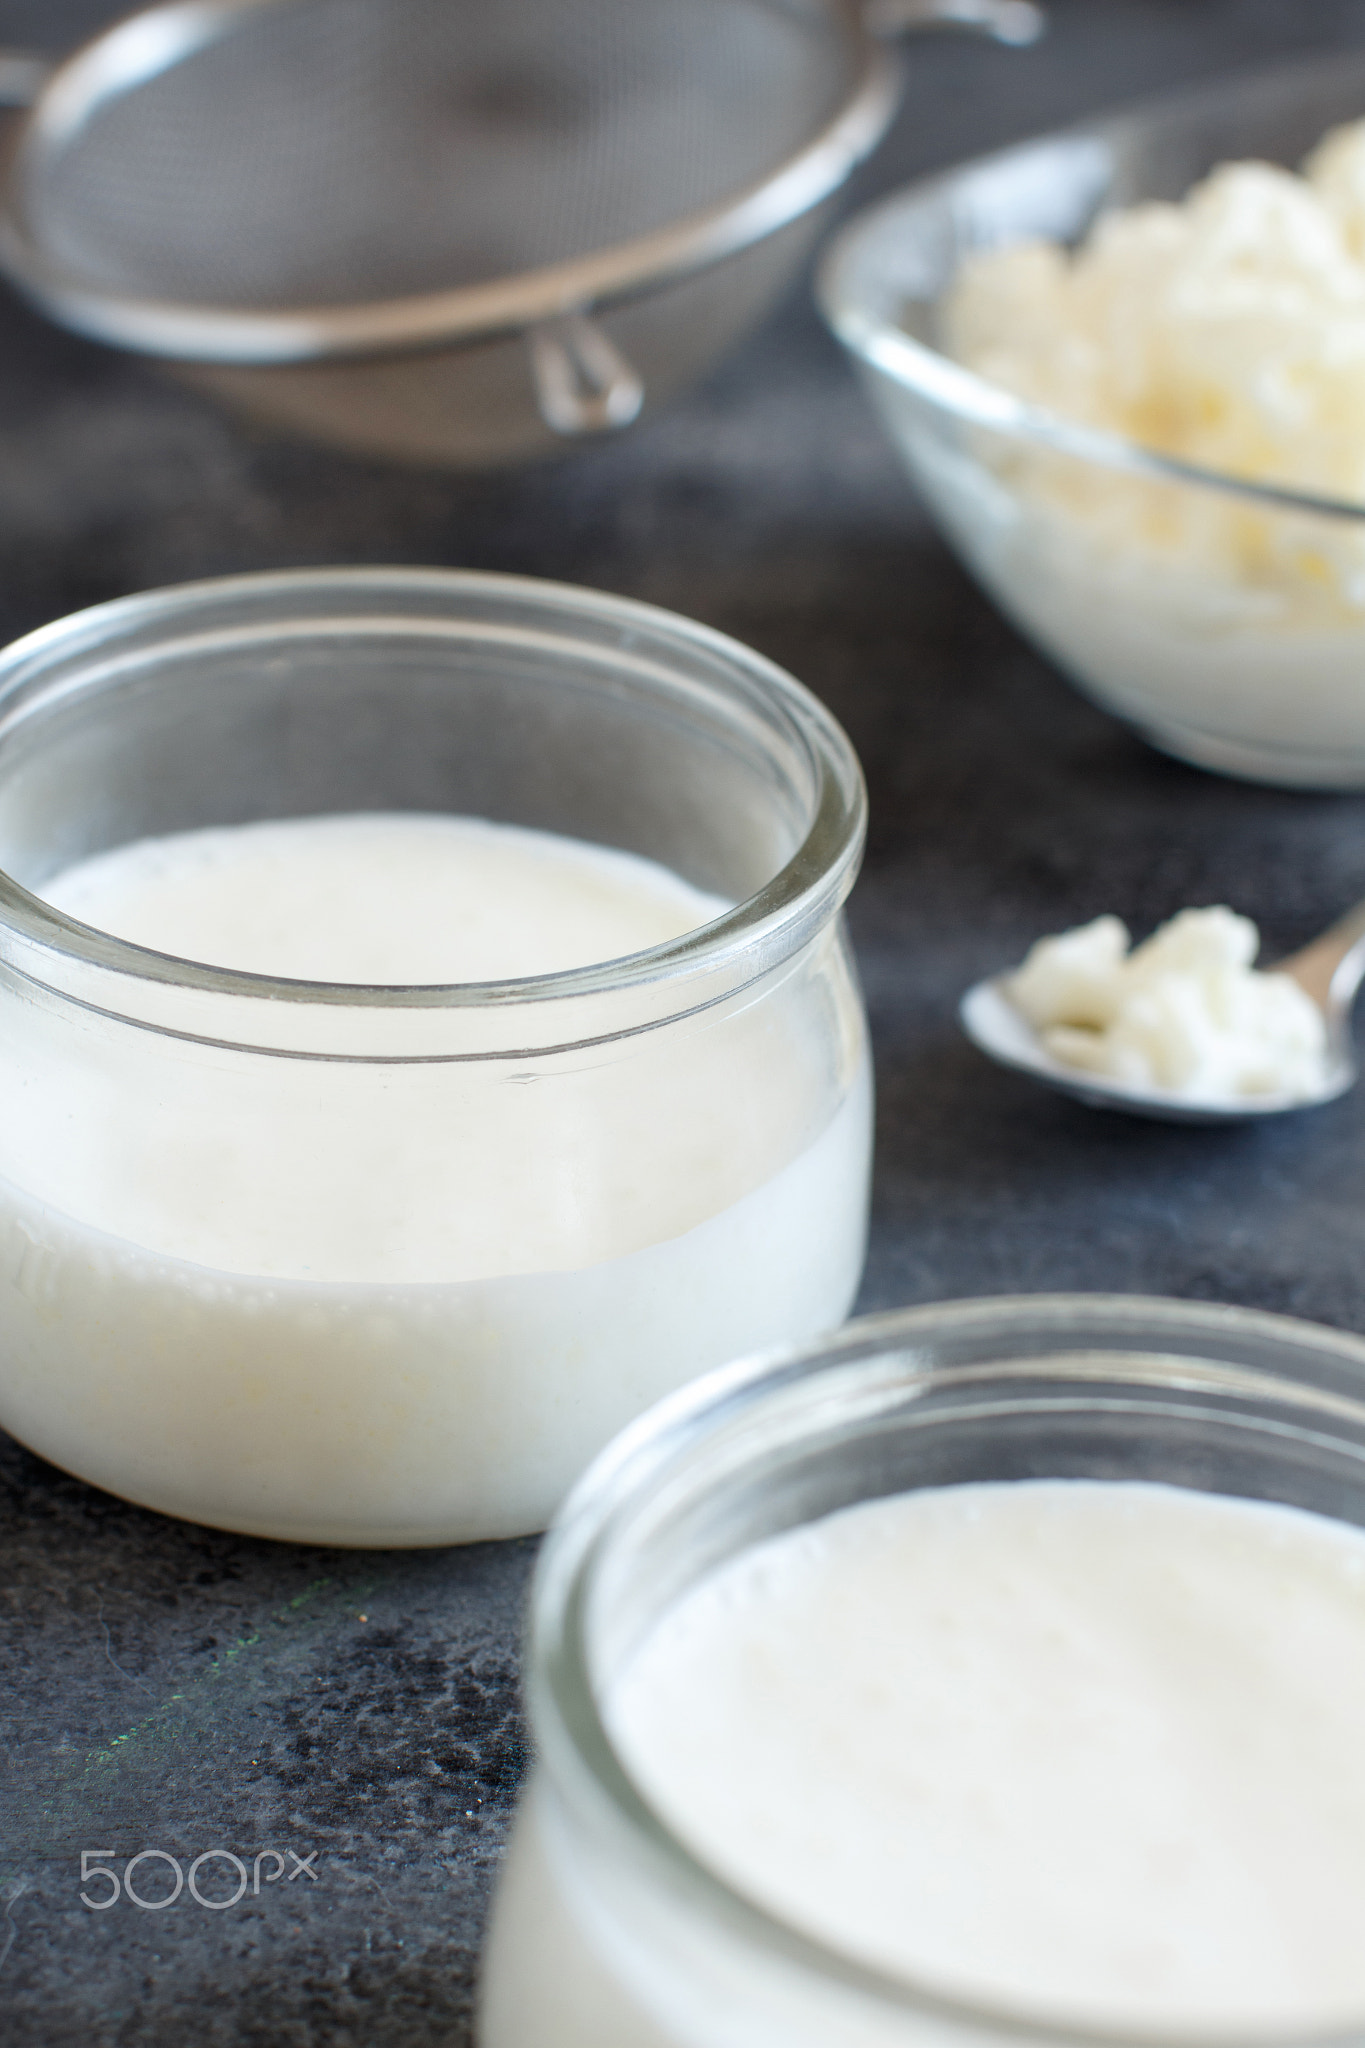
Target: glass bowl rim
(569, 1731)
(807, 890)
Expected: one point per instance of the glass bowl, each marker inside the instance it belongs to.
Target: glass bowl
(1223, 619)
(607, 1927)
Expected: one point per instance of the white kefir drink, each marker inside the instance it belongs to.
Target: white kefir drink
(1075, 1750)
(405, 1299)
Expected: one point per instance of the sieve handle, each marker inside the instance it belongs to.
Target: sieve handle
(23, 74)
(1017, 22)
(584, 385)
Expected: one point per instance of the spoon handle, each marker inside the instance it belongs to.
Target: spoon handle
(1330, 968)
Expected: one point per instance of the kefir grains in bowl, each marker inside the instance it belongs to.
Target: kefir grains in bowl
(995, 1671)
(428, 1036)
(1227, 330)
(1125, 365)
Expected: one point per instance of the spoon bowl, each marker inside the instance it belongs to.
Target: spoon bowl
(1329, 970)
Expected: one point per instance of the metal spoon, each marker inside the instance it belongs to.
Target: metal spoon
(1329, 969)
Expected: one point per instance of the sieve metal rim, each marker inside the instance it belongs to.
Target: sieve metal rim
(129, 52)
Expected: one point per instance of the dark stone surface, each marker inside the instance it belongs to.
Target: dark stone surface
(165, 1687)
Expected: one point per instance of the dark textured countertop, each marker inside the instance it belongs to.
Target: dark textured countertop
(167, 1688)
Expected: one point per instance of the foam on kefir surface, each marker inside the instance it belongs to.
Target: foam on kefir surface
(1083, 1748)
(382, 899)
(442, 1180)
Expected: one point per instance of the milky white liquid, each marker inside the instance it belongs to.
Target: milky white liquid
(350, 1301)
(1076, 1749)
(1258, 679)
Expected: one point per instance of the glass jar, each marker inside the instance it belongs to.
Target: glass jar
(607, 1931)
(389, 1265)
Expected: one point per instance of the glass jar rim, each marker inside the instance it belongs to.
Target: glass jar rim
(770, 924)
(878, 1358)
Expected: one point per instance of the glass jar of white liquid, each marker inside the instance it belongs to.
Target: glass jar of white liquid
(993, 1672)
(427, 1036)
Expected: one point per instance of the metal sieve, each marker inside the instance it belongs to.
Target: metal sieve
(447, 230)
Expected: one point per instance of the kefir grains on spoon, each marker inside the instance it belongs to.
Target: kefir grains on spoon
(1186, 1011)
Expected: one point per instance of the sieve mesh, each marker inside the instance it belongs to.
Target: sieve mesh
(337, 151)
